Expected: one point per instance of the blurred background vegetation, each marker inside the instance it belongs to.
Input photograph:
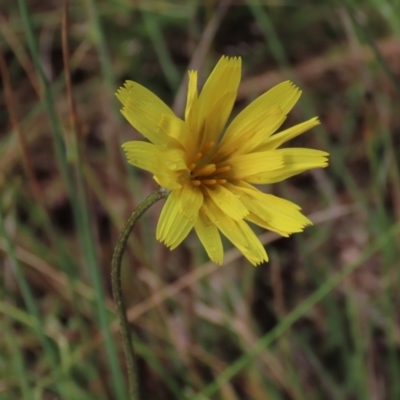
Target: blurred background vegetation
(319, 321)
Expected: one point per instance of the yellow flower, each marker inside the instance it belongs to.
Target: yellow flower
(211, 172)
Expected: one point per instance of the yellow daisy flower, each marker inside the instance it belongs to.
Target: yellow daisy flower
(211, 173)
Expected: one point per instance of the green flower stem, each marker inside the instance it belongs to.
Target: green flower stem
(134, 393)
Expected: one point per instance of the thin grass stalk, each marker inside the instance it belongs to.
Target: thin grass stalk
(271, 37)
(26, 292)
(336, 390)
(146, 352)
(104, 56)
(26, 120)
(134, 389)
(28, 167)
(365, 34)
(17, 314)
(293, 373)
(143, 350)
(297, 313)
(85, 222)
(18, 363)
(358, 365)
(160, 46)
(47, 97)
(113, 151)
(389, 258)
(14, 42)
(380, 219)
(79, 205)
(202, 48)
(279, 53)
(11, 108)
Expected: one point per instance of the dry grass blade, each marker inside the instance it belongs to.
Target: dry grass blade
(344, 63)
(12, 108)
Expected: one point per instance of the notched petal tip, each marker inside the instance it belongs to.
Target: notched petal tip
(229, 62)
(128, 84)
(124, 91)
(236, 59)
(259, 262)
(257, 259)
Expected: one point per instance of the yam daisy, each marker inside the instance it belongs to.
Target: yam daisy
(211, 170)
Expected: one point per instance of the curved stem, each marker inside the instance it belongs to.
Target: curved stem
(134, 393)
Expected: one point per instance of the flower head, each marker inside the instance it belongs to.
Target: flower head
(211, 172)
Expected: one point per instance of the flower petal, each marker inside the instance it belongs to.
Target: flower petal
(144, 111)
(216, 120)
(168, 181)
(222, 82)
(227, 202)
(190, 201)
(295, 161)
(251, 135)
(144, 155)
(174, 166)
(224, 78)
(246, 165)
(238, 232)
(170, 129)
(272, 212)
(173, 226)
(256, 116)
(255, 219)
(163, 163)
(276, 140)
(192, 95)
(210, 238)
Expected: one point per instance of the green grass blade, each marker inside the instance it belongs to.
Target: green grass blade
(26, 292)
(80, 208)
(170, 71)
(296, 314)
(18, 364)
(104, 56)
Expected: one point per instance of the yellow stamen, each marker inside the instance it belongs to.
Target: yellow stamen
(222, 169)
(205, 170)
(197, 157)
(221, 181)
(196, 182)
(208, 181)
(207, 148)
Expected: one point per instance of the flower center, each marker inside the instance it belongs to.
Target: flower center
(204, 172)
